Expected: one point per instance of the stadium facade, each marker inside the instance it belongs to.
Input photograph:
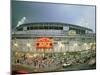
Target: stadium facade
(52, 37)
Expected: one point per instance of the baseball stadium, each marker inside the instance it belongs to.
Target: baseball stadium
(52, 46)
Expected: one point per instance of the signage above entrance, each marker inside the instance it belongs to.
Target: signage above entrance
(44, 43)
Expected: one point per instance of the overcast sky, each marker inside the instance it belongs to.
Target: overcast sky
(48, 12)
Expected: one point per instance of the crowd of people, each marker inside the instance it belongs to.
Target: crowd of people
(48, 60)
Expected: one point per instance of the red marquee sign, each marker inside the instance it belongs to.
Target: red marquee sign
(44, 43)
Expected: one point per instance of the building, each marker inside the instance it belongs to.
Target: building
(62, 37)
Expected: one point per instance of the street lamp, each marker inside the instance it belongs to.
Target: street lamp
(60, 45)
(91, 44)
(75, 45)
(28, 45)
(15, 44)
(87, 46)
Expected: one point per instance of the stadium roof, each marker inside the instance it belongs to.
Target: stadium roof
(58, 23)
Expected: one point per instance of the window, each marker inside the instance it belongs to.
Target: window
(31, 28)
(28, 28)
(45, 27)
